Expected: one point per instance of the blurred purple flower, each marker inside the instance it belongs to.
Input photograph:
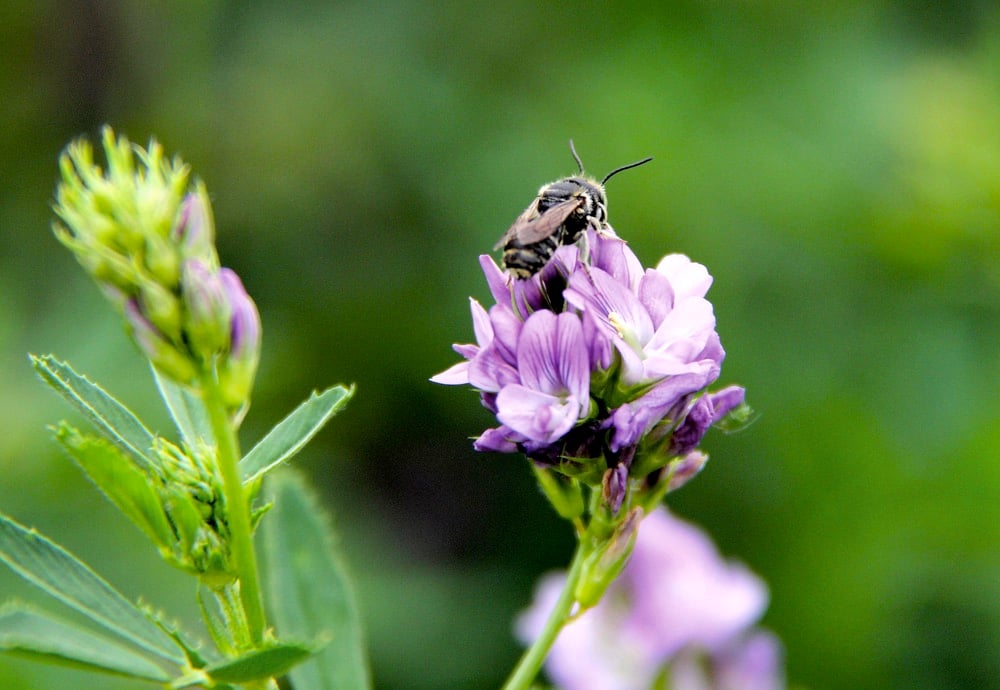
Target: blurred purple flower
(676, 597)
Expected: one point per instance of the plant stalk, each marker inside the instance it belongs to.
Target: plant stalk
(531, 662)
(237, 510)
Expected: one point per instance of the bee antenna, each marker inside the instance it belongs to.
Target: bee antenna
(625, 167)
(572, 149)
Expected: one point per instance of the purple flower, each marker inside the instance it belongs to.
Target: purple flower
(593, 361)
(675, 597)
(554, 388)
(658, 330)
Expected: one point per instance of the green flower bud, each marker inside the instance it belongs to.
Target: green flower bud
(605, 563)
(162, 308)
(160, 352)
(162, 260)
(564, 493)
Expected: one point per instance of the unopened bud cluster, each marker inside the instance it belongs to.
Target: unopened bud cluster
(175, 496)
(193, 501)
(147, 238)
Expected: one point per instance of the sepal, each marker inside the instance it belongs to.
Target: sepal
(606, 561)
(564, 493)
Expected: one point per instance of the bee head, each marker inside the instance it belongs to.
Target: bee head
(595, 199)
(596, 204)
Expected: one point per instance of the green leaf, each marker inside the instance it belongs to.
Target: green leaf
(308, 589)
(294, 431)
(62, 576)
(125, 485)
(187, 411)
(260, 664)
(214, 622)
(114, 420)
(38, 636)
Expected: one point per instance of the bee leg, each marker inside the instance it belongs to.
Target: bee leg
(584, 246)
(606, 231)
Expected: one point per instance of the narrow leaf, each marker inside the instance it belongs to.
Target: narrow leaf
(114, 420)
(260, 664)
(121, 481)
(294, 431)
(186, 409)
(38, 636)
(308, 589)
(214, 622)
(61, 575)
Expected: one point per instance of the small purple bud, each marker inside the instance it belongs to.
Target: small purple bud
(726, 400)
(208, 316)
(708, 410)
(686, 468)
(236, 374)
(689, 434)
(245, 318)
(194, 230)
(614, 485)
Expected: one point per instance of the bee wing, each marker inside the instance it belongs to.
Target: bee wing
(530, 227)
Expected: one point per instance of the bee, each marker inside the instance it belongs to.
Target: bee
(560, 215)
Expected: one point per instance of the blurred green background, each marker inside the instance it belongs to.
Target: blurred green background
(836, 165)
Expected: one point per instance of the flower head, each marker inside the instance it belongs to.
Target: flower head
(596, 364)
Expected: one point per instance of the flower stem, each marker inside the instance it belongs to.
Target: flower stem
(237, 510)
(530, 664)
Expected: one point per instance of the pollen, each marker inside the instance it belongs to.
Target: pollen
(618, 323)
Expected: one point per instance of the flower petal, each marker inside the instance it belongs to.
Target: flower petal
(613, 256)
(467, 350)
(455, 375)
(684, 331)
(496, 279)
(656, 295)
(689, 279)
(506, 331)
(481, 325)
(489, 371)
(552, 356)
(499, 440)
(539, 416)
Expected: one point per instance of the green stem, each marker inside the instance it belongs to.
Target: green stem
(530, 664)
(237, 510)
